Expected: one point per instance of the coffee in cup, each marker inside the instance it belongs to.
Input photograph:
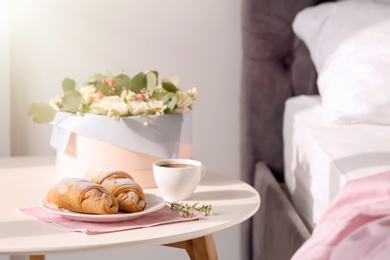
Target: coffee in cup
(177, 179)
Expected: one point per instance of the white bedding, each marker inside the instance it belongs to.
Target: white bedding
(319, 158)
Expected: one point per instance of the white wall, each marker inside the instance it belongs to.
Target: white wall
(5, 123)
(200, 41)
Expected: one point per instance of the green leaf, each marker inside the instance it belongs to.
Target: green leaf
(104, 89)
(138, 82)
(169, 84)
(41, 112)
(95, 78)
(71, 101)
(98, 85)
(170, 101)
(151, 81)
(68, 85)
(123, 80)
(174, 80)
(154, 72)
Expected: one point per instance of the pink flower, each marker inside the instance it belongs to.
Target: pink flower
(100, 95)
(142, 96)
(111, 82)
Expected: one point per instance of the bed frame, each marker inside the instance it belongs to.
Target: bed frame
(276, 66)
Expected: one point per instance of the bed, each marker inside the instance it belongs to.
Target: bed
(315, 118)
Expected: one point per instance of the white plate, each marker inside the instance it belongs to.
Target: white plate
(154, 203)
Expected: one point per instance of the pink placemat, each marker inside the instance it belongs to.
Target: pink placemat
(159, 217)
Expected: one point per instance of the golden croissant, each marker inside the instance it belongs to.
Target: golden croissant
(128, 193)
(79, 195)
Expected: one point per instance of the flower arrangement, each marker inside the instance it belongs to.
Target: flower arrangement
(117, 96)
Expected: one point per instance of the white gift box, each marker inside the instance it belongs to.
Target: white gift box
(89, 142)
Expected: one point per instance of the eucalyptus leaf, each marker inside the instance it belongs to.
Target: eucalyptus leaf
(98, 85)
(155, 72)
(41, 113)
(138, 82)
(151, 82)
(104, 89)
(123, 80)
(169, 87)
(174, 80)
(68, 85)
(96, 78)
(170, 101)
(71, 101)
(170, 84)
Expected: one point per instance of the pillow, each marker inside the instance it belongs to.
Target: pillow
(349, 42)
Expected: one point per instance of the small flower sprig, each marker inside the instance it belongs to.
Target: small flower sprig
(186, 210)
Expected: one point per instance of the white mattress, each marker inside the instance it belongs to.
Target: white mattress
(319, 159)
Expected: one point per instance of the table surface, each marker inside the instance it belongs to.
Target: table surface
(25, 181)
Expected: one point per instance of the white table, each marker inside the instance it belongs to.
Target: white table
(24, 182)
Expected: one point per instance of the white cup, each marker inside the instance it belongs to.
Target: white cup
(178, 178)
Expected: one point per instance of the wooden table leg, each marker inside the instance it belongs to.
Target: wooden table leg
(201, 248)
(37, 257)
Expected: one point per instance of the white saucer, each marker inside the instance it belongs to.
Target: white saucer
(154, 203)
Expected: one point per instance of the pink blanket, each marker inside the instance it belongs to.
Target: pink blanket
(356, 225)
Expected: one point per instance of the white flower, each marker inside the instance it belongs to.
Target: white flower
(130, 96)
(110, 105)
(96, 98)
(87, 93)
(185, 100)
(193, 93)
(95, 108)
(156, 107)
(111, 100)
(119, 109)
(138, 107)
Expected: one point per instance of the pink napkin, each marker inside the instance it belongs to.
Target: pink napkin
(159, 217)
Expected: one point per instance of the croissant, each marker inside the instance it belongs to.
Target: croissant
(128, 193)
(79, 195)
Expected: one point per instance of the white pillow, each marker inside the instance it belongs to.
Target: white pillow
(349, 43)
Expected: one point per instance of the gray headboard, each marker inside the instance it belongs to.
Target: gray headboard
(276, 66)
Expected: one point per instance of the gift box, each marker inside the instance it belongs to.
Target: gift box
(88, 142)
